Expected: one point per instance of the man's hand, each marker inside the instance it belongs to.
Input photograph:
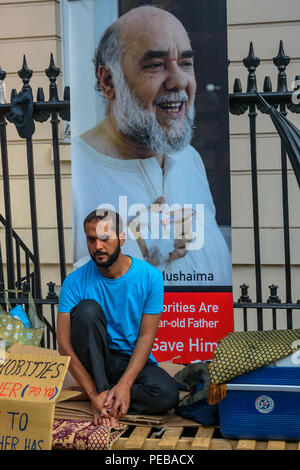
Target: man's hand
(118, 400)
(180, 249)
(176, 225)
(101, 414)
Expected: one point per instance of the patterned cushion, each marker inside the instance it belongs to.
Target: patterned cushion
(84, 435)
(241, 352)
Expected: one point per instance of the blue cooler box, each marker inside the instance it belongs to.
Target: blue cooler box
(263, 404)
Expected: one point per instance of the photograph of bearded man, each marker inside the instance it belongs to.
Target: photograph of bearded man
(141, 151)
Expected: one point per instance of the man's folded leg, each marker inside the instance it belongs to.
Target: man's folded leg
(89, 340)
(154, 390)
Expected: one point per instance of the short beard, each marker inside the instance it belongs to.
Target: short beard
(110, 260)
(142, 126)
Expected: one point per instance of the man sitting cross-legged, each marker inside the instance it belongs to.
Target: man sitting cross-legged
(109, 311)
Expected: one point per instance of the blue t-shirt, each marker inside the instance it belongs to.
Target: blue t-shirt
(123, 300)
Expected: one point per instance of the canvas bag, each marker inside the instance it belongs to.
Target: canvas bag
(195, 379)
(13, 330)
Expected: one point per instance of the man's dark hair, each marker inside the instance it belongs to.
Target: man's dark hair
(106, 214)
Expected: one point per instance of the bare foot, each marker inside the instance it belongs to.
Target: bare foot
(103, 418)
(100, 412)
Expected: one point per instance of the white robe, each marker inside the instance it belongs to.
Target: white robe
(98, 179)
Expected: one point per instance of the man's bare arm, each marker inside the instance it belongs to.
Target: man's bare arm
(119, 396)
(143, 347)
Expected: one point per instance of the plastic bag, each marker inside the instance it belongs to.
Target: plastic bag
(19, 314)
(13, 330)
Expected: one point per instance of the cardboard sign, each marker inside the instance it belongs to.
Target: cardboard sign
(30, 385)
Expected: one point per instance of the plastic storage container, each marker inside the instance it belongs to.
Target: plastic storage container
(263, 404)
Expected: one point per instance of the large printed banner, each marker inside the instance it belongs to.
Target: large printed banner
(153, 146)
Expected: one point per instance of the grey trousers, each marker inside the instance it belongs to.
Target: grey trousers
(154, 390)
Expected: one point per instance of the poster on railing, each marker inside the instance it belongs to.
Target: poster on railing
(150, 141)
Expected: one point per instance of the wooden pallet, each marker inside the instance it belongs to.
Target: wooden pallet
(200, 438)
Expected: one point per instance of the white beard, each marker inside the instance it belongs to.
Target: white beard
(142, 126)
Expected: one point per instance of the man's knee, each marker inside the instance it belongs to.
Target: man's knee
(168, 396)
(87, 312)
(166, 391)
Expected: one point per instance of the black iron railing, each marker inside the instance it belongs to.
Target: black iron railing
(52, 110)
(240, 103)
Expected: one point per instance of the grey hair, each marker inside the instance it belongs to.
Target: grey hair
(109, 51)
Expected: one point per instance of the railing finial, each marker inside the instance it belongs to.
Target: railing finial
(281, 61)
(273, 298)
(244, 297)
(237, 108)
(40, 115)
(267, 85)
(251, 62)
(51, 291)
(25, 73)
(52, 73)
